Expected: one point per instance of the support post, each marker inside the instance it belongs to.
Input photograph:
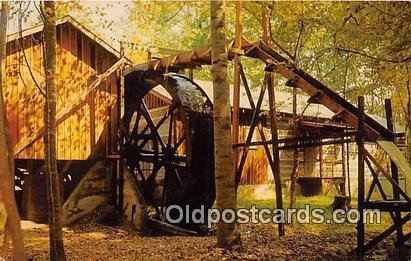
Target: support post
(348, 170)
(343, 189)
(360, 144)
(294, 173)
(273, 117)
(320, 151)
(276, 152)
(236, 91)
(120, 163)
(394, 174)
(191, 74)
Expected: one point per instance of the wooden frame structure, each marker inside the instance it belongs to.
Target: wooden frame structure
(89, 104)
(361, 127)
(399, 203)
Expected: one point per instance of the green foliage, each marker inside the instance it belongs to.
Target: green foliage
(356, 48)
(323, 202)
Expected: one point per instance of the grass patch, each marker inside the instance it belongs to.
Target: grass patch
(323, 202)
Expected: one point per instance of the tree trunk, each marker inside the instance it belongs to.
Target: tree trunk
(6, 156)
(227, 234)
(53, 187)
(236, 91)
(408, 116)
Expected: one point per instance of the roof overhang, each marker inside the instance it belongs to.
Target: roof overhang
(65, 19)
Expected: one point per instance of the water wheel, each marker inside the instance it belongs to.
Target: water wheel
(169, 149)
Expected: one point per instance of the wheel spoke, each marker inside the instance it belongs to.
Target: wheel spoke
(164, 194)
(172, 164)
(162, 159)
(171, 111)
(138, 136)
(170, 129)
(141, 174)
(154, 155)
(150, 158)
(147, 190)
(178, 177)
(140, 186)
(151, 178)
(153, 128)
(140, 147)
(136, 124)
(179, 142)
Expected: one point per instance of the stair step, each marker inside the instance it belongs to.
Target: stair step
(389, 205)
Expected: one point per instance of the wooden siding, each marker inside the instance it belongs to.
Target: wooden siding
(256, 165)
(82, 134)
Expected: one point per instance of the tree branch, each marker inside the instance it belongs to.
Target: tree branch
(23, 51)
(373, 57)
(298, 39)
(336, 67)
(175, 14)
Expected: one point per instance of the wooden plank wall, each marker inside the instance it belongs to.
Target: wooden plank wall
(256, 165)
(85, 133)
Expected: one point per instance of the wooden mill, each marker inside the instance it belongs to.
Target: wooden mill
(87, 119)
(112, 149)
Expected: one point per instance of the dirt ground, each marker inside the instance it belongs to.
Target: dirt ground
(98, 242)
(92, 241)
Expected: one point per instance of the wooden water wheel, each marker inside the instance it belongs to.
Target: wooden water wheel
(170, 156)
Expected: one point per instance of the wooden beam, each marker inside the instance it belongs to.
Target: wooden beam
(276, 152)
(384, 234)
(254, 121)
(273, 116)
(375, 181)
(343, 169)
(307, 140)
(266, 54)
(315, 144)
(236, 91)
(329, 99)
(259, 125)
(394, 173)
(387, 176)
(361, 181)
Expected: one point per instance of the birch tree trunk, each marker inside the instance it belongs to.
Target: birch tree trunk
(13, 230)
(53, 187)
(227, 234)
